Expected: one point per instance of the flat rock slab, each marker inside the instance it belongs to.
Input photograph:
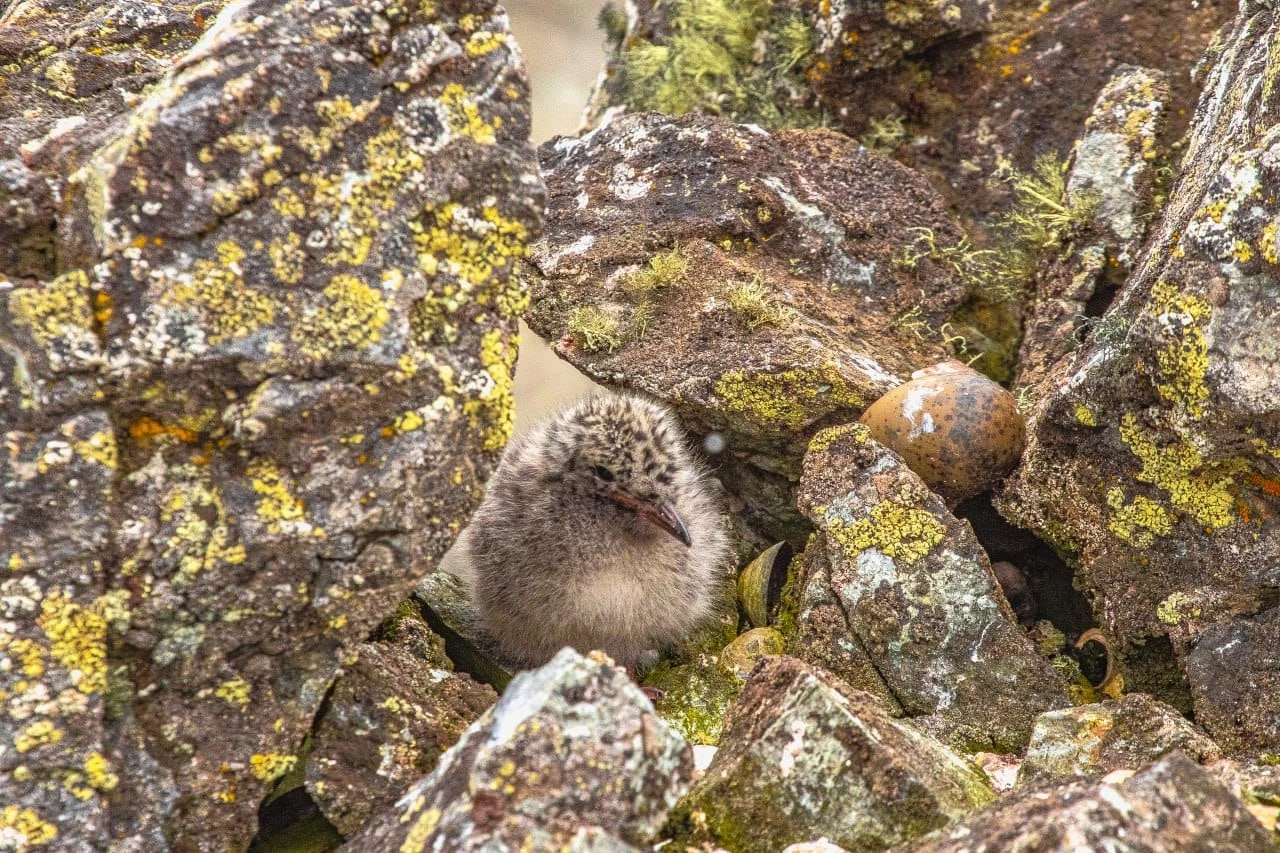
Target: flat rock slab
(902, 594)
(804, 756)
(569, 745)
(1173, 804)
(750, 280)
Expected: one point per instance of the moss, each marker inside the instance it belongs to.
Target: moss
(1043, 220)
(789, 399)
(665, 270)
(696, 697)
(592, 330)
(743, 59)
(897, 528)
(756, 304)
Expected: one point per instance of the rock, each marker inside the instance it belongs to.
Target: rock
(389, 717)
(1257, 784)
(754, 282)
(1170, 805)
(1112, 180)
(1235, 687)
(261, 392)
(915, 602)
(569, 745)
(1094, 740)
(1151, 463)
(803, 756)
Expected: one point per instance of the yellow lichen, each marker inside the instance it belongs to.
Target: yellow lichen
(473, 248)
(352, 318)
(58, 309)
(235, 691)
(271, 765)
(1185, 359)
(484, 42)
(1177, 608)
(1267, 243)
(1085, 416)
(493, 408)
(415, 839)
(38, 734)
(1201, 491)
(277, 506)
(788, 399)
(1139, 521)
(98, 772)
(232, 310)
(287, 258)
(464, 116)
(201, 535)
(78, 640)
(896, 529)
(823, 439)
(25, 827)
(99, 447)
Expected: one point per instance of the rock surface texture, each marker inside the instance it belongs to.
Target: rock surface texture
(1152, 462)
(898, 596)
(253, 392)
(570, 745)
(804, 756)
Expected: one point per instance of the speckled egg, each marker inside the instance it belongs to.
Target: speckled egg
(958, 430)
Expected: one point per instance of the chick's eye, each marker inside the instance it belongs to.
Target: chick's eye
(603, 473)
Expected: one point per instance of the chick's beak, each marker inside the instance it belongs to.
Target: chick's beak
(660, 512)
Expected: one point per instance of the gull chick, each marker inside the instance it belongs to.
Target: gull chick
(598, 531)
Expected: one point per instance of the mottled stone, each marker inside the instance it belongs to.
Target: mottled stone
(1171, 805)
(1257, 784)
(389, 717)
(1112, 175)
(752, 281)
(907, 597)
(803, 756)
(1151, 464)
(281, 291)
(1094, 740)
(569, 745)
(1235, 683)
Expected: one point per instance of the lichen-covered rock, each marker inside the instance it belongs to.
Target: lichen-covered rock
(1235, 684)
(915, 603)
(1151, 465)
(1094, 740)
(1257, 784)
(1173, 804)
(277, 334)
(389, 717)
(804, 757)
(752, 281)
(1112, 176)
(572, 744)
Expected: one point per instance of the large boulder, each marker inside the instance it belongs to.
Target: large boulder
(803, 756)
(253, 395)
(570, 745)
(899, 598)
(1151, 464)
(761, 284)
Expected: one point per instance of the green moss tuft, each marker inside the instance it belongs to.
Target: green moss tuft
(739, 58)
(757, 304)
(592, 330)
(885, 134)
(664, 270)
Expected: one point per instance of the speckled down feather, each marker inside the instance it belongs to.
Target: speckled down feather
(553, 562)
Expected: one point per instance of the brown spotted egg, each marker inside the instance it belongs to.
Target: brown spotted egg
(955, 428)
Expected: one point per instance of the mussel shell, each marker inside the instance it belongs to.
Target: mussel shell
(760, 584)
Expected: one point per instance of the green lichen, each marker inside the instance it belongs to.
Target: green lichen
(897, 528)
(757, 304)
(1178, 608)
(592, 330)
(885, 134)
(1201, 490)
(743, 59)
(788, 400)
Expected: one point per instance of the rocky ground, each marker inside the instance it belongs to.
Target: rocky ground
(261, 269)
